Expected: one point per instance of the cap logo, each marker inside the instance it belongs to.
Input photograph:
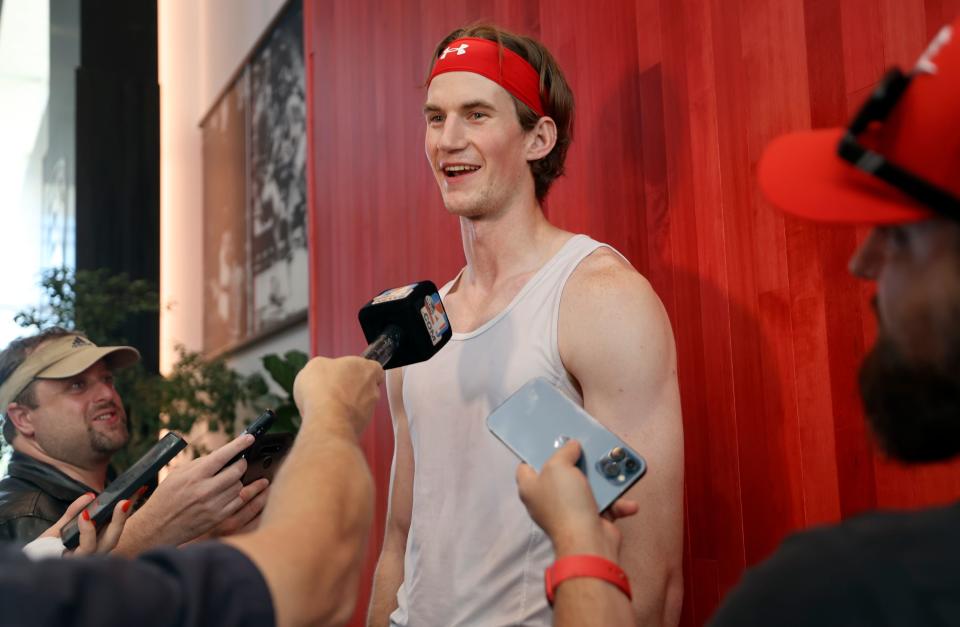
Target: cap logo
(925, 64)
(79, 341)
(460, 50)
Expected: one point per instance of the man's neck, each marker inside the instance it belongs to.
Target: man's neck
(92, 474)
(508, 244)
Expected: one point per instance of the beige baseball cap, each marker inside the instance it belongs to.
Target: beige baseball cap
(62, 358)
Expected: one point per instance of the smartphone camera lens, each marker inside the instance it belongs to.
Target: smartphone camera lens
(610, 468)
(632, 465)
(617, 453)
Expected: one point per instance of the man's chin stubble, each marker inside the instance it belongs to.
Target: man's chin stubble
(107, 445)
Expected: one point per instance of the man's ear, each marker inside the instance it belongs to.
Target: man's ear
(541, 139)
(22, 419)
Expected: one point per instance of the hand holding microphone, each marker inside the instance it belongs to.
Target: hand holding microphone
(342, 391)
(404, 326)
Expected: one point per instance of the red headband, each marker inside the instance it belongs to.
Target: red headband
(482, 56)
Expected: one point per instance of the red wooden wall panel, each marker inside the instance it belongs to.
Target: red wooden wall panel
(676, 100)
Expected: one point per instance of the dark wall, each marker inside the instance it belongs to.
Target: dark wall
(118, 149)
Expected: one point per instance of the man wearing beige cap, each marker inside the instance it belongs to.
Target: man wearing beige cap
(64, 419)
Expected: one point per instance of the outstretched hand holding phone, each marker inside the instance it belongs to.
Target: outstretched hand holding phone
(194, 499)
(560, 501)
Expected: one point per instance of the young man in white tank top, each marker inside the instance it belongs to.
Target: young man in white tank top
(532, 301)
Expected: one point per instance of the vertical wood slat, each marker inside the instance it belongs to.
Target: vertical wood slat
(676, 101)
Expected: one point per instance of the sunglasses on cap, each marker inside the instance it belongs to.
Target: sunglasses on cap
(877, 109)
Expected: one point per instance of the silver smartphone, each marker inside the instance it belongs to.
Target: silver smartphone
(538, 419)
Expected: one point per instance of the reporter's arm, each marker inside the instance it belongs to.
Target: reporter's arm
(389, 574)
(313, 530)
(254, 495)
(560, 501)
(587, 600)
(191, 501)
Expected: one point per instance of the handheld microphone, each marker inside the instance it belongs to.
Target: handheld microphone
(405, 325)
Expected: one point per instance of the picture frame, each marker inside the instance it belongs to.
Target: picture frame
(255, 258)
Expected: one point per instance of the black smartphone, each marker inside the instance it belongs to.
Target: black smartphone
(123, 487)
(265, 455)
(257, 428)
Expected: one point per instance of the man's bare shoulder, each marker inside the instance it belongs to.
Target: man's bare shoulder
(605, 274)
(613, 324)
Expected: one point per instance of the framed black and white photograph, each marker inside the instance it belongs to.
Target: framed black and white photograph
(278, 182)
(255, 193)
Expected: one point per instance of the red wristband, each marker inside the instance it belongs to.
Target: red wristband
(584, 566)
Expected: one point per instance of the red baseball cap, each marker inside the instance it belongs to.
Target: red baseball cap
(802, 174)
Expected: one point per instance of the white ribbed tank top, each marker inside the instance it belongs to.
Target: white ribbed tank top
(474, 556)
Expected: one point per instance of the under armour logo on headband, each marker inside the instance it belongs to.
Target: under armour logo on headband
(461, 49)
(79, 341)
(491, 60)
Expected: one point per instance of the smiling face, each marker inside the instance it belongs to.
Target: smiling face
(475, 145)
(79, 419)
(910, 380)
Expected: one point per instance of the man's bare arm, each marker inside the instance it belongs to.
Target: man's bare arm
(615, 339)
(389, 573)
(314, 528)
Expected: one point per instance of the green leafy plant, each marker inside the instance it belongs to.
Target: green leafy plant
(199, 390)
(283, 370)
(95, 301)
